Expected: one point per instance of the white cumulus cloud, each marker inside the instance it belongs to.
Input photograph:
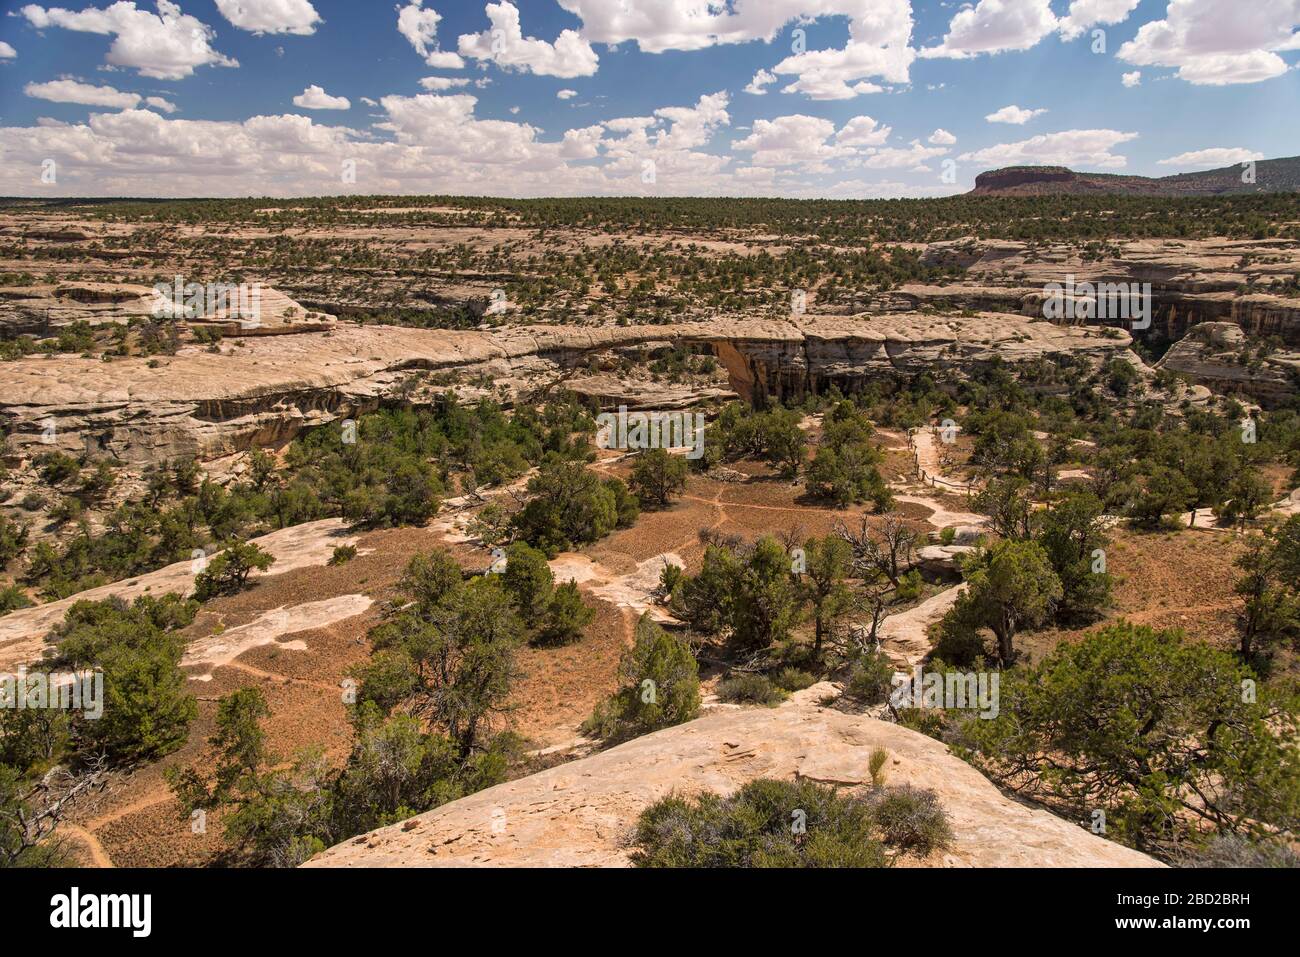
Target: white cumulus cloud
(996, 26)
(942, 137)
(1218, 42)
(505, 45)
(878, 48)
(419, 24)
(435, 84)
(795, 140)
(863, 131)
(761, 79)
(1086, 14)
(315, 98)
(168, 45)
(1013, 115)
(271, 16)
(72, 91)
(1067, 148)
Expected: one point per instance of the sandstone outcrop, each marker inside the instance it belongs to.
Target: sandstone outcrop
(256, 310)
(1192, 281)
(23, 631)
(579, 814)
(268, 389)
(1218, 355)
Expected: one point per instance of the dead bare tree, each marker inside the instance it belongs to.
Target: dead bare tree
(792, 537)
(887, 550)
(858, 633)
(35, 815)
(731, 542)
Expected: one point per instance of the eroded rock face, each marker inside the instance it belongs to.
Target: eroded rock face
(1219, 355)
(579, 814)
(257, 310)
(1192, 281)
(266, 390)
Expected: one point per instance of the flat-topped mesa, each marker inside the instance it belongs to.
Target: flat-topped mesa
(266, 391)
(1261, 176)
(1013, 176)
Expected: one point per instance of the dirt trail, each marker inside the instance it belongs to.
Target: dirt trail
(764, 508)
(98, 855)
(282, 679)
(153, 799)
(929, 458)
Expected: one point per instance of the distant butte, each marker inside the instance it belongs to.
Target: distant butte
(1269, 176)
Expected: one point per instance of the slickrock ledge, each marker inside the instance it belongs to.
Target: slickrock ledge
(267, 389)
(580, 814)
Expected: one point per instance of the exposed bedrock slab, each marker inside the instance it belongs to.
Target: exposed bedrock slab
(579, 814)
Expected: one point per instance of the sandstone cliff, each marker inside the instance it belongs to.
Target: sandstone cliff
(269, 388)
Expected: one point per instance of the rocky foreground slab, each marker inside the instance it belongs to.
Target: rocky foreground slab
(580, 814)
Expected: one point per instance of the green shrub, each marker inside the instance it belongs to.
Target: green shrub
(565, 618)
(793, 679)
(910, 587)
(528, 580)
(870, 679)
(13, 539)
(227, 573)
(343, 554)
(12, 598)
(571, 506)
(147, 707)
(750, 689)
(661, 687)
(911, 819)
(670, 578)
(657, 477)
(55, 468)
(1119, 715)
(766, 823)
(1234, 850)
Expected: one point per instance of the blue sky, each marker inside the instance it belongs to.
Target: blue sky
(842, 98)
